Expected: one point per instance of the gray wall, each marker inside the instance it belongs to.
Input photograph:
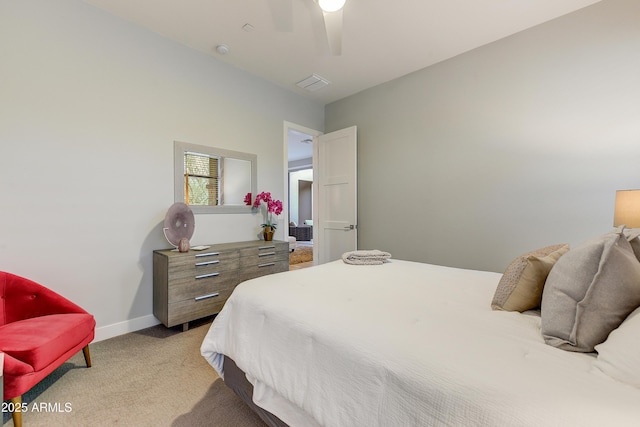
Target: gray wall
(509, 147)
(305, 201)
(89, 108)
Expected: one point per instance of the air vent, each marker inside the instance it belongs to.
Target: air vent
(313, 83)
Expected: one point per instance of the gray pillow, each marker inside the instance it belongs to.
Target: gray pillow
(589, 292)
(632, 236)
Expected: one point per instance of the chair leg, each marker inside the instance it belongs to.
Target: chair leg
(17, 415)
(87, 355)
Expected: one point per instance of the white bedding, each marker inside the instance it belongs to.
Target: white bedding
(405, 344)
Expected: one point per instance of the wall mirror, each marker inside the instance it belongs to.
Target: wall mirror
(213, 180)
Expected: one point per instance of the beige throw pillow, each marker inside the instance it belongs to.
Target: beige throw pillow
(589, 292)
(520, 287)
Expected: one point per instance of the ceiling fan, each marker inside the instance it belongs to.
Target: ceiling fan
(329, 10)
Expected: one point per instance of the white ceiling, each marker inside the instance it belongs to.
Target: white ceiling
(300, 146)
(382, 39)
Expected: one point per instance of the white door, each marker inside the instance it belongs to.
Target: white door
(335, 163)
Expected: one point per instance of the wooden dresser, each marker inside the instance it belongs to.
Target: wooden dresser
(196, 284)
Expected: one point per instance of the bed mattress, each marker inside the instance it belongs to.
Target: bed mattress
(405, 344)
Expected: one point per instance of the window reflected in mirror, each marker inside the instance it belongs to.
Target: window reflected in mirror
(214, 180)
(201, 179)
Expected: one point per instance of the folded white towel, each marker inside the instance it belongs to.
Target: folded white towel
(366, 257)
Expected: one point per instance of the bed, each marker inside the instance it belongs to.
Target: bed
(414, 344)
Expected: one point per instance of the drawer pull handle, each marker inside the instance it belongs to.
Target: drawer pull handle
(207, 254)
(204, 276)
(266, 247)
(269, 264)
(200, 264)
(200, 298)
(267, 254)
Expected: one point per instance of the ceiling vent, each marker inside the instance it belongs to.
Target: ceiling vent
(313, 83)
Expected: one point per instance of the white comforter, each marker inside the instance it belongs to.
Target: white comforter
(405, 344)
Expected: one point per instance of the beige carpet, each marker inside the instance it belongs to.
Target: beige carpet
(301, 254)
(153, 377)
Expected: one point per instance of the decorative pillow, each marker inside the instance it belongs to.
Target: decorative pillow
(589, 292)
(520, 287)
(619, 355)
(632, 236)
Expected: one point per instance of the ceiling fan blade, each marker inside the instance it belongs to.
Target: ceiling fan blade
(281, 14)
(333, 26)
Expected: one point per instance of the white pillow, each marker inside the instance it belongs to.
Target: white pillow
(619, 355)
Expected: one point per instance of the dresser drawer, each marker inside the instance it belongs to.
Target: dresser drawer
(268, 267)
(181, 312)
(251, 257)
(202, 269)
(188, 264)
(264, 249)
(204, 285)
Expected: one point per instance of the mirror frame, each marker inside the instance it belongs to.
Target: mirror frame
(179, 150)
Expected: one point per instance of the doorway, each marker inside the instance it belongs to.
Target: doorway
(299, 193)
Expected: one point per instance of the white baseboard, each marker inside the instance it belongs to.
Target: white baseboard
(121, 328)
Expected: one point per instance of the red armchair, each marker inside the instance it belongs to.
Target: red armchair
(39, 331)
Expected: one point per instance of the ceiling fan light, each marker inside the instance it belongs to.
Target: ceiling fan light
(331, 5)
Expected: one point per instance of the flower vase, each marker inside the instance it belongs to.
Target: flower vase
(268, 233)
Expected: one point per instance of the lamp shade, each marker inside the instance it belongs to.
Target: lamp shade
(627, 210)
